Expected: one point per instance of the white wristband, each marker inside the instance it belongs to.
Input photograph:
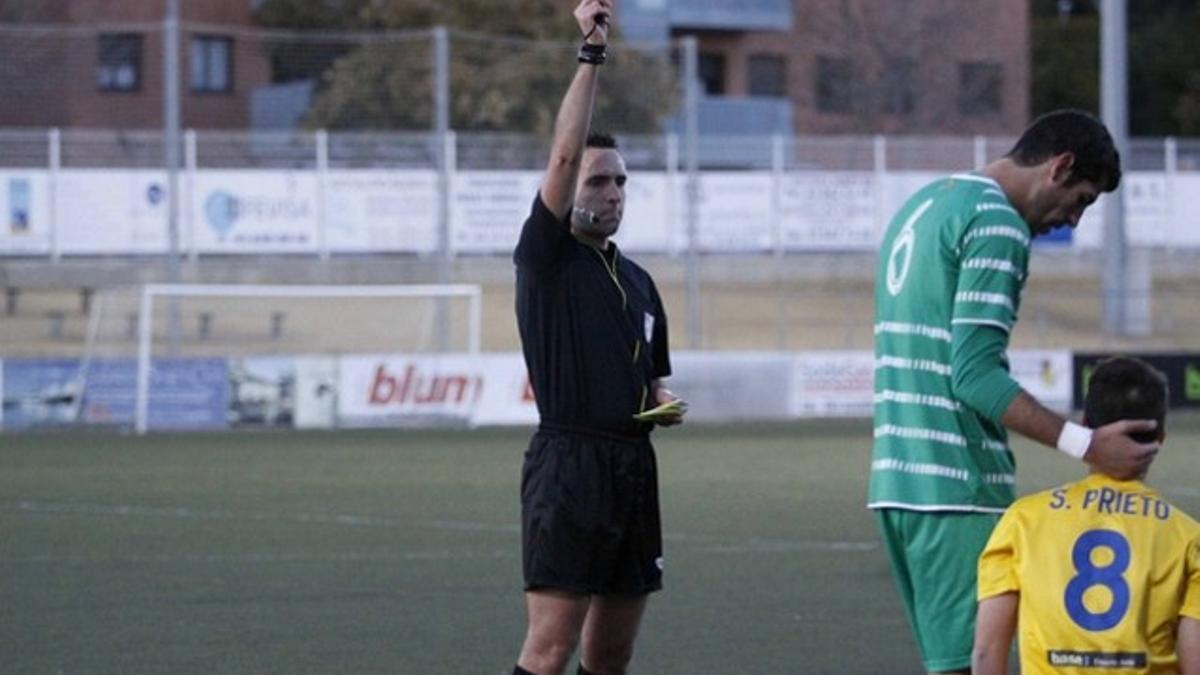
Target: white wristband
(1074, 439)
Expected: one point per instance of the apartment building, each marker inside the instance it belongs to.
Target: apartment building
(98, 64)
(851, 66)
(766, 66)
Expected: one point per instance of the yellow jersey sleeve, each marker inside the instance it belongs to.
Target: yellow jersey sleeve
(998, 562)
(1191, 594)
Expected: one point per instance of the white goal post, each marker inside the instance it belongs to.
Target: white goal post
(150, 292)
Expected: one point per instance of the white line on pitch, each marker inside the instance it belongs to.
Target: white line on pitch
(707, 544)
(261, 558)
(184, 513)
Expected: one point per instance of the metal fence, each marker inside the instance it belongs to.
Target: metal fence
(89, 97)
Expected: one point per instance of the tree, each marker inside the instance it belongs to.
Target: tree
(1066, 63)
(1164, 68)
(893, 67)
(509, 66)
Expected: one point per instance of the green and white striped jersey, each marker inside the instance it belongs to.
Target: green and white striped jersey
(951, 265)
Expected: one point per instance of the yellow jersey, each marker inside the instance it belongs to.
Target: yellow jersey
(1104, 569)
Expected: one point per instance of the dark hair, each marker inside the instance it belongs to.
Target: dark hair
(1076, 132)
(1123, 387)
(600, 139)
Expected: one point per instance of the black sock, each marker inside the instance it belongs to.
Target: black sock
(518, 670)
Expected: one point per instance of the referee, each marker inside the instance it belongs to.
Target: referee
(594, 336)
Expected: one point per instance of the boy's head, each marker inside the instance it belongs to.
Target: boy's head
(1123, 387)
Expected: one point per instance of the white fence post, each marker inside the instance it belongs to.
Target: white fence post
(1171, 170)
(54, 141)
(673, 220)
(880, 181)
(188, 205)
(322, 142)
(777, 170)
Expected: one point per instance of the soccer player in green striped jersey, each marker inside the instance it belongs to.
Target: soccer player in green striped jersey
(948, 286)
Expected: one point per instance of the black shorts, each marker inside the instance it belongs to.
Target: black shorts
(589, 514)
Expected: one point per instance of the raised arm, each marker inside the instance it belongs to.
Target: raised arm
(575, 113)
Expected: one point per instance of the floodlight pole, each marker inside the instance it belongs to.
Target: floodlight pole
(171, 137)
(1125, 281)
(443, 140)
(691, 145)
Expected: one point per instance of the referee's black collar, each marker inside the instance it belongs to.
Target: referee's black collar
(609, 253)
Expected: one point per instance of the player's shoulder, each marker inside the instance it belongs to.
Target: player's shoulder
(1041, 497)
(973, 197)
(968, 187)
(1187, 522)
(1035, 504)
(1184, 529)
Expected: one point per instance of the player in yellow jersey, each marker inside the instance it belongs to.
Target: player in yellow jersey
(1097, 576)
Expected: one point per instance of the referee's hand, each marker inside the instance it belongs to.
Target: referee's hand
(594, 18)
(662, 395)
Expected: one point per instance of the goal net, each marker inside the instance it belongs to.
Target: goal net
(195, 356)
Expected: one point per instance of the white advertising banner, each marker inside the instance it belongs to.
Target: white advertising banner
(1148, 213)
(830, 210)
(487, 209)
(24, 212)
(99, 211)
(841, 384)
(733, 211)
(1147, 209)
(507, 395)
(833, 384)
(1046, 374)
(254, 211)
(380, 389)
(649, 223)
(897, 187)
(372, 210)
(1182, 225)
(1156, 213)
(477, 390)
(316, 392)
(733, 386)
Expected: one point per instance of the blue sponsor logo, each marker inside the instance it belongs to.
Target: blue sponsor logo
(1061, 235)
(18, 204)
(221, 211)
(155, 194)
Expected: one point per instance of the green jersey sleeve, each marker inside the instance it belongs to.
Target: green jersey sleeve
(993, 263)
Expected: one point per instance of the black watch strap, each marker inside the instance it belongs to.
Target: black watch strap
(593, 54)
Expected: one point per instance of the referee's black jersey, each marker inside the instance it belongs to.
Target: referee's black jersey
(592, 328)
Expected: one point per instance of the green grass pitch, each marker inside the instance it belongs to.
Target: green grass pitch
(398, 551)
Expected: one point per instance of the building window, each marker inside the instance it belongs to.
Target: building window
(980, 88)
(767, 75)
(211, 64)
(712, 73)
(120, 62)
(899, 87)
(835, 80)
